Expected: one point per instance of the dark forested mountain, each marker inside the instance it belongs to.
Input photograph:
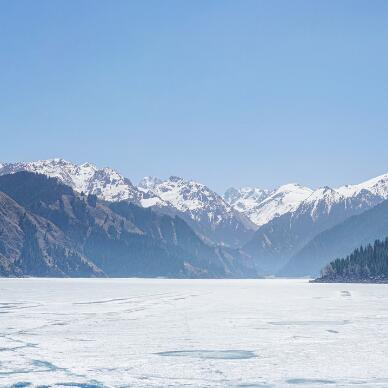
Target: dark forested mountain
(339, 241)
(41, 216)
(365, 264)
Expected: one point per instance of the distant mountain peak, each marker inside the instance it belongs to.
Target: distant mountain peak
(89, 165)
(185, 195)
(283, 237)
(289, 187)
(212, 218)
(206, 211)
(105, 182)
(321, 193)
(377, 185)
(174, 178)
(261, 206)
(149, 182)
(235, 215)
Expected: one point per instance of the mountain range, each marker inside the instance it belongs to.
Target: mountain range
(213, 218)
(339, 241)
(48, 229)
(247, 231)
(276, 242)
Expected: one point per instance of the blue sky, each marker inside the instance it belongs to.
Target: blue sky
(225, 92)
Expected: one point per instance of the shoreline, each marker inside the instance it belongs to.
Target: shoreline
(356, 281)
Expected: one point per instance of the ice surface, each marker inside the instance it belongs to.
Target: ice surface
(197, 333)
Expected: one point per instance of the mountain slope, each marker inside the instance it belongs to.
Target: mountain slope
(262, 206)
(174, 231)
(106, 183)
(245, 199)
(271, 226)
(339, 241)
(120, 238)
(203, 209)
(32, 245)
(211, 217)
(277, 241)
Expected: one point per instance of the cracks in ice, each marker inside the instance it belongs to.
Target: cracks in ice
(310, 323)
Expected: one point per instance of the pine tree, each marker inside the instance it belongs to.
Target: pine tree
(368, 263)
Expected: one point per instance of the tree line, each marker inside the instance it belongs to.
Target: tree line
(364, 263)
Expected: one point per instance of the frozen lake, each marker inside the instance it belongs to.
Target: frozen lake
(199, 333)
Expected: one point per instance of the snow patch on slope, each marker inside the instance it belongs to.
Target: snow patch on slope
(106, 183)
(377, 186)
(186, 195)
(261, 206)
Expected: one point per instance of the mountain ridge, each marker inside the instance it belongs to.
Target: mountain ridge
(113, 238)
(206, 211)
(270, 225)
(339, 241)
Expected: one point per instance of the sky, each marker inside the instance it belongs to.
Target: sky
(229, 93)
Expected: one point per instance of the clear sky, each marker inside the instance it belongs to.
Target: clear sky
(225, 92)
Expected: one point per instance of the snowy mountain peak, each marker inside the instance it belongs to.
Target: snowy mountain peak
(88, 165)
(202, 208)
(174, 178)
(357, 197)
(232, 194)
(206, 211)
(185, 195)
(321, 200)
(149, 182)
(245, 197)
(377, 186)
(367, 192)
(106, 183)
(261, 206)
(239, 210)
(290, 187)
(321, 193)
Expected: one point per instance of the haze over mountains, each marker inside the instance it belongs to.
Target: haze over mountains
(47, 229)
(246, 232)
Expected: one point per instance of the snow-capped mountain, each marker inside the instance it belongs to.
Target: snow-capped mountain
(185, 195)
(360, 196)
(105, 183)
(261, 206)
(47, 229)
(376, 186)
(148, 183)
(339, 241)
(282, 237)
(206, 211)
(245, 199)
(285, 219)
